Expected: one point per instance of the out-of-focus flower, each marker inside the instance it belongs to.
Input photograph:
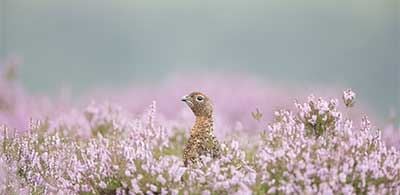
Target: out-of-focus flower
(349, 98)
(257, 115)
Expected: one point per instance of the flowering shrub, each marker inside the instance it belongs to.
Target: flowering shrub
(313, 149)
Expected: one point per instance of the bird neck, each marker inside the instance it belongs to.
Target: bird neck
(203, 124)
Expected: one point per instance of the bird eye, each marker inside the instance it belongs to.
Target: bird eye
(200, 98)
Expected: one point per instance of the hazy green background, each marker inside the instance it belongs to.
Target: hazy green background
(91, 43)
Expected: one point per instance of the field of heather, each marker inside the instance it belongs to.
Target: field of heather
(131, 142)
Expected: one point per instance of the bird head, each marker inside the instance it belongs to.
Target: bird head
(199, 103)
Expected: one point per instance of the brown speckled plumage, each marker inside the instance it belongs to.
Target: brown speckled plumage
(202, 140)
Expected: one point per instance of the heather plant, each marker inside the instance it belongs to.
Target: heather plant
(314, 150)
(104, 149)
(119, 156)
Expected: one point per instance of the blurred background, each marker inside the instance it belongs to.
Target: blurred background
(82, 45)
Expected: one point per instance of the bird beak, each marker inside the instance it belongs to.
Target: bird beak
(184, 98)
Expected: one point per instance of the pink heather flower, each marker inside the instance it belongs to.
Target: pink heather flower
(102, 184)
(347, 190)
(135, 188)
(348, 97)
(313, 119)
(342, 177)
(206, 192)
(161, 179)
(174, 191)
(153, 188)
(243, 190)
(365, 123)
